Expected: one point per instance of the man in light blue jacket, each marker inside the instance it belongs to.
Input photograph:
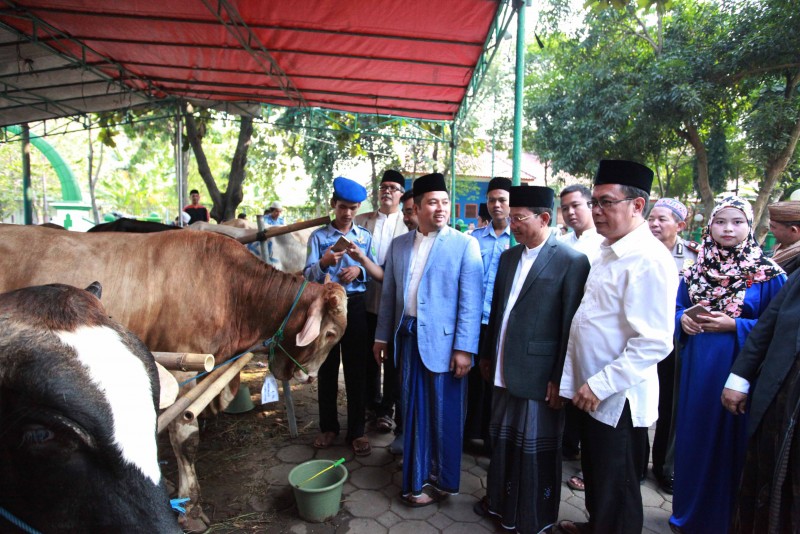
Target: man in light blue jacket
(431, 311)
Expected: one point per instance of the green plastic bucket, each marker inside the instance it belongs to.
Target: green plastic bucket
(319, 499)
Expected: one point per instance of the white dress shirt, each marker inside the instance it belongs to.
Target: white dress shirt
(419, 257)
(623, 328)
(588, 243)
(383, 234)
(529, 256)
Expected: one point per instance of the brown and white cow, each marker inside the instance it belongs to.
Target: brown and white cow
(183, 292)
(78, 400)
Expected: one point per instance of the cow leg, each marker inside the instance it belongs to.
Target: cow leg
(185, 440)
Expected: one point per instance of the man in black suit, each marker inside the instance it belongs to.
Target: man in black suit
(767, 501)
(537, 290)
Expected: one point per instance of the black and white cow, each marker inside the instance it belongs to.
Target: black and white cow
(78, 401)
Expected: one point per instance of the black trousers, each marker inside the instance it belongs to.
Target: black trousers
(664, 438)
(390, 402)
(373, 371)
(613, 494)
(352, 349)
(571, 441)
(479, 402)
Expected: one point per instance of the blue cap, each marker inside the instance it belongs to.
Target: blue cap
(348, 190)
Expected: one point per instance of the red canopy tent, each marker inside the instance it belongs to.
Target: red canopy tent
(415, 58)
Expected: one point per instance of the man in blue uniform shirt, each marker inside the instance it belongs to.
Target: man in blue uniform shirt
(493, 240)
(353, 348)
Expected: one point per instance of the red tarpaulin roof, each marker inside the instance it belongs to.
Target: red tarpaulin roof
(411, 58)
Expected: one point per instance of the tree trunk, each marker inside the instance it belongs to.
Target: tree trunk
(704, 187)
(775, 168)
(375, 183)
(223, 204)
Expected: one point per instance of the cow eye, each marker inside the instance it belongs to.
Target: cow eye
(36, 435)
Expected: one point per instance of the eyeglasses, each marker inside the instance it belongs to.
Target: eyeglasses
(604, 203)
(390, 189)
(519, 219)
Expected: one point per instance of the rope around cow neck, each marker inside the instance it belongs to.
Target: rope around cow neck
(270, 343)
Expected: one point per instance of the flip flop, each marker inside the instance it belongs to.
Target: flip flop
(576, 483)
(572, 527)
(481, 507)
(361, 446)
(384, 424)
(324, 440)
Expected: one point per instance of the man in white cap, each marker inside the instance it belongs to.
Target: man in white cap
(666, 220)
(272, 215)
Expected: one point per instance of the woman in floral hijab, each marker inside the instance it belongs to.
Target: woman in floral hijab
(735, 281)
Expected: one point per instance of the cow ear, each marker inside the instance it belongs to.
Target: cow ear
(310, 330)
(95, 289)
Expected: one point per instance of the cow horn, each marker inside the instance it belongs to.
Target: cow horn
(95, 289)
(336, 302)
(310, 330)
(327, 279)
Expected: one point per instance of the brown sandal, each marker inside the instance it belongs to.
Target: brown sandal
(361, 446)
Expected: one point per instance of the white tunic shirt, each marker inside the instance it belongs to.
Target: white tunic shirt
(383, 234)
(623, 328)
(419, 257)
(529, 256)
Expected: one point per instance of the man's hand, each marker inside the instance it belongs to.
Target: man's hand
(552, 398)
(379, 351)
(585, 399)
(486, 369)
(331, 258)
(460, 363)
(734, 401)
(348, 274)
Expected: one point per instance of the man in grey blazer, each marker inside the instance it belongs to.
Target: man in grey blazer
(537, 290)
(384, 224)
(431, 312)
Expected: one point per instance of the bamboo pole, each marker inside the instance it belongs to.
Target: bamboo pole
(180, 405)
(185, 361)
(287, 229)
(216, 386)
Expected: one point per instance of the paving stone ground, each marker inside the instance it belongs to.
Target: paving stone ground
(371, 502)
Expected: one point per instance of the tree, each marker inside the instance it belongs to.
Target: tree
(224, 202)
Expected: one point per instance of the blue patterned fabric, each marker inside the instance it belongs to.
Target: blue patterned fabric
(433, 421)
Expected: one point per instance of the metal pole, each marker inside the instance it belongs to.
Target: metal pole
(454, 200)
(287, 387)
(27, 191)
(179, 162)
(518, 94)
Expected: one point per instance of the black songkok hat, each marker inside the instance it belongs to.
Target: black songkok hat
(534, 196)
(392, 175)
(483, 211)
(408, 194)
(428, 183)
(618, 171)
(499, 183)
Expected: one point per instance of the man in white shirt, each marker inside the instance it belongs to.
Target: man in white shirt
(583, 238)
(384, 224)
(578, 216)
(622, 329)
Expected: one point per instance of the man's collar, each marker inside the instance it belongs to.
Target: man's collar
(632, 240)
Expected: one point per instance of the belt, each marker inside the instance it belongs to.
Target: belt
(355, 295)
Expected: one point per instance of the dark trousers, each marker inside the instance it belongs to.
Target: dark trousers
(390, 402)
(352, 349)
(479, 402)
(664, 438)
(613, 494)
(571, 440)
(372, 375)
